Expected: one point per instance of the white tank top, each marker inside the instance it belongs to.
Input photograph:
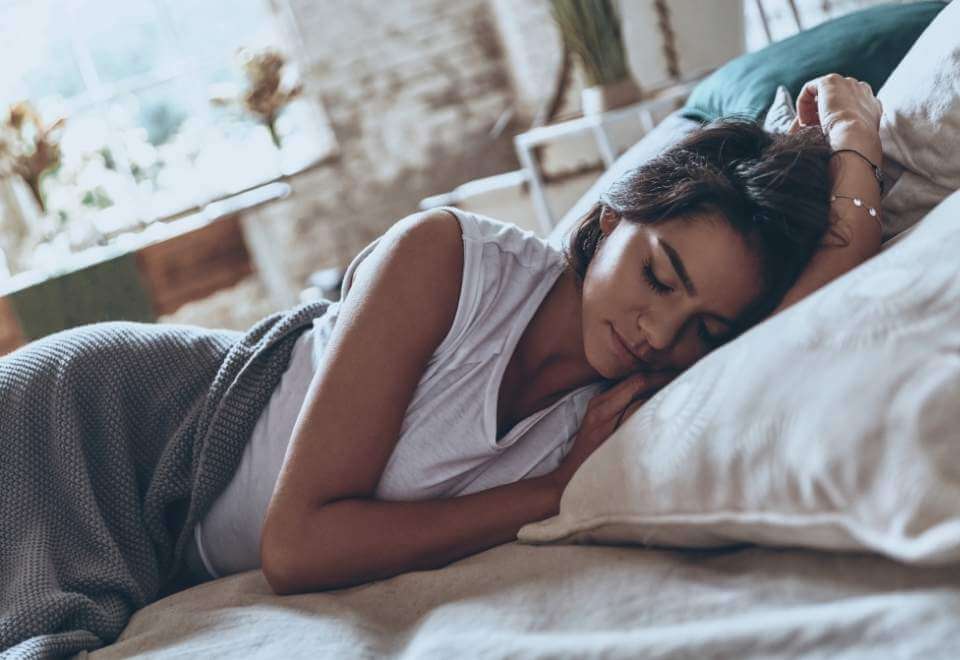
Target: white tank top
(447, 444)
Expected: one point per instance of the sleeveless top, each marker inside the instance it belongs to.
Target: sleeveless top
(448, 440)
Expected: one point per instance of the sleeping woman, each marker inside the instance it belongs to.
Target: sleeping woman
(477, 346)
(467, 372)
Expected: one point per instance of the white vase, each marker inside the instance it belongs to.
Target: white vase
(21, 221)
(601, 98)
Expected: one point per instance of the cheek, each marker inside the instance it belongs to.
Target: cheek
(593, 293)
(607, 279)
(594, 313)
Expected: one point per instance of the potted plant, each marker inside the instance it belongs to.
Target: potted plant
(591, 31)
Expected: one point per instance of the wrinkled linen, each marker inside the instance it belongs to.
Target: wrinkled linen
(570, 601)
(920, 125)
(115, 438)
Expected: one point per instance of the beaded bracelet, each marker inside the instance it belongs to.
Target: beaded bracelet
(874, 213)
(877, 172)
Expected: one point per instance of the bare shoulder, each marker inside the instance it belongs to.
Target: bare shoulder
(440, 232)
(428, 243)
(433, 224)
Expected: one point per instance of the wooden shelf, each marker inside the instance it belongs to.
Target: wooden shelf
(194, 264)
(182, 261)
(10, 335)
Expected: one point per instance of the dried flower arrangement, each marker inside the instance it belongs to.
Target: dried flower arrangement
(28, 147)
(264, 97)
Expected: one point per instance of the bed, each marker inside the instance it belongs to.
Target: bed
(517, 600)
(589, 584)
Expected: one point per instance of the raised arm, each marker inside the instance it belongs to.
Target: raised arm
(323, 527)
(849, 114)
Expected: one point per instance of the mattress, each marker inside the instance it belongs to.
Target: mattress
(525, 601)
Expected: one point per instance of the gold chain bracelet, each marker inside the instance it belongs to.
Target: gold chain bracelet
(858, 202)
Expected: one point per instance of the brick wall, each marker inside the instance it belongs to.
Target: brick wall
(412, 90)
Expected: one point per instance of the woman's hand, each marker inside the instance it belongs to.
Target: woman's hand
(605, 412)
(845, 109)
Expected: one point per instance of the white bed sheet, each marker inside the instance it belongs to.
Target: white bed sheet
(524, 601)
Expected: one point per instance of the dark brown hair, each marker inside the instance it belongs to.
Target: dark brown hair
(773, 189)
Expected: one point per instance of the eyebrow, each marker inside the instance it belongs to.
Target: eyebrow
(685, 278)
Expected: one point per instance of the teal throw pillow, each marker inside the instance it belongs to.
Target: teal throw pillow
(866, 44)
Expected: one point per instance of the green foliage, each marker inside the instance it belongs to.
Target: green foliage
(108, 160)
(591, 30)
(96, 198)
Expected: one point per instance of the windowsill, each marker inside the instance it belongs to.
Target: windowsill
(167, 227)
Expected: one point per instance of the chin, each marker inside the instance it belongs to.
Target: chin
(606, 364)
(598, 354)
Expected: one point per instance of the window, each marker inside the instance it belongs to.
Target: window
(134, 79)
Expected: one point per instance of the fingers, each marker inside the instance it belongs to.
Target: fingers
(807, 111)
(794, 126)
(631, 408)
(822, 98)
(652, 383)
(611, 403)
(654, 380)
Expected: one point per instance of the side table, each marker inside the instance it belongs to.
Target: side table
(645, 111)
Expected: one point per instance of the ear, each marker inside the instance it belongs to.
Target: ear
(608, 219)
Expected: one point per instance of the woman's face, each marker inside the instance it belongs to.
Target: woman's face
(634, 287)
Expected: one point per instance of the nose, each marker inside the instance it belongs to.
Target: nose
(662, 327)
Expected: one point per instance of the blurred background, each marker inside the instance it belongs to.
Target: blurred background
(212, 162)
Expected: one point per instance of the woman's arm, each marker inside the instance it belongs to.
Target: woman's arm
(849, 114)
(851, 176)
(401, 305)
(387, 538)
(377, 539)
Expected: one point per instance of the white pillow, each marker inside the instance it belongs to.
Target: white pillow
(920, 127)
(781, 113)
(834, 424)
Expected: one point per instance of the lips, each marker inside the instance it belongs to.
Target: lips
(624, 348)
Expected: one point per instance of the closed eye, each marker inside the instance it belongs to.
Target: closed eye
(662, 289)
(658, 287)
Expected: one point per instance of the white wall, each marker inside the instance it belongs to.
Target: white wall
(697, 35)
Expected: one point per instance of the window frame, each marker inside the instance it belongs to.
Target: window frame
(189, 69)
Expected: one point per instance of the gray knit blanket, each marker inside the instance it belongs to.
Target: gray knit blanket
(115, 439)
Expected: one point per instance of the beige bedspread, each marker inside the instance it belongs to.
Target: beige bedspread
(523, 601)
